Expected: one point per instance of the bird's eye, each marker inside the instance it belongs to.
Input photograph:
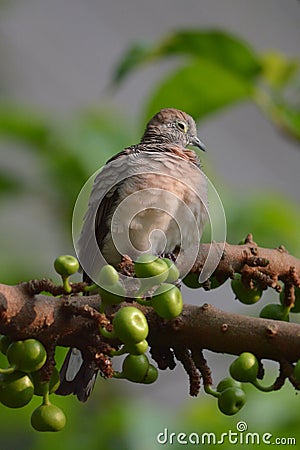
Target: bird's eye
(182, 126)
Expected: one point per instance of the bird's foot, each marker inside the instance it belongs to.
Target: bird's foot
(170, 255)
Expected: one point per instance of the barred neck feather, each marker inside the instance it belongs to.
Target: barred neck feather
(155, 135)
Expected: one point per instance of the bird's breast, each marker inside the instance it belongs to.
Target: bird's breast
(161, 206)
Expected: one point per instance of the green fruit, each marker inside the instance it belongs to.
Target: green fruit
(4, 343)
(27, 356)
(228, 382)
(151, 375)
(173, 274)
(214, 283)
(135, 368)
(231, 400)
(244, 294)
(244, 368)
(167, 301)
(275, 312)
(296, 307)
(66, 265)
(38, 384)
(297, 371)
(138, 348)
(113, 294)
(130, 325)
(16, 389)
(108, 276)
(148, 266)
(48, 418)
(191, 280)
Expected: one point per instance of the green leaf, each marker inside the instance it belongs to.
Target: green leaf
(221, 48)
(199, 88)
(283, 114)
(288, 118)
(271, 218)
(278, 69)
(9, 184)
(136, 55)
(96, 132)
(23, 125)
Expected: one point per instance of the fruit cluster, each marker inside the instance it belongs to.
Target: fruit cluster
(231, 396)
(66, 265)
(249, 295)
(244, 369)
(129, 323)
(157, 289)
(275, 311)
(152, 272)
(22, 379)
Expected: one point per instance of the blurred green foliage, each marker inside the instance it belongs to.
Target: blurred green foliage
(271, 225)
(217, 69)
(68, 153)
(113, 420)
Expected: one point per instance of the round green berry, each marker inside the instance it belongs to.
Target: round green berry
(135, 368)
(244, 294)
(66, 265)
(38, 384)
(296, 307)
(16, 389)
(27, 356)
(48, 418)
(137, 348)
(130, 325)
(108, 276)
(151, 376)
(5, 342)
(214, 283)
(275, 311)
(173, 274)
(231, 400)
(228, 382)
(244, 368)
(150, 266)
(167, 301)
(191, 280)
(112, 294)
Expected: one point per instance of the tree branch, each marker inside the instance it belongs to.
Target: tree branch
(73, 321)
(267, 265)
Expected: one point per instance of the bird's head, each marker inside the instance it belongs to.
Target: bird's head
(172, 126)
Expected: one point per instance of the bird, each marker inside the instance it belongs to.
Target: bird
(151, 197)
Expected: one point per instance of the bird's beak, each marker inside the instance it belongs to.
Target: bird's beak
(194, 140)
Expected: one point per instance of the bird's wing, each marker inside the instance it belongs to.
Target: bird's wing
(77, 375)
(103, 195)
(106, 192)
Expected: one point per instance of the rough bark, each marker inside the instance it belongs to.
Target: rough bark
(73, 320)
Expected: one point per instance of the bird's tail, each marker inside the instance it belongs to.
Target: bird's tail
(77, 375)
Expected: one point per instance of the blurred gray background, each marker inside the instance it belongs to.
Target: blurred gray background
(57, 56)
